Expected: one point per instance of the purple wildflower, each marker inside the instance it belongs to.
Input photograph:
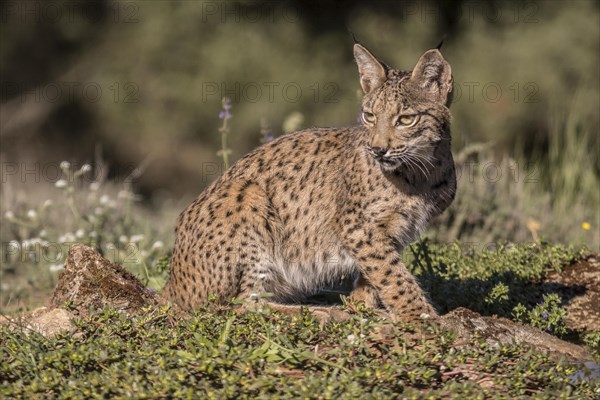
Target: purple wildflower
(225, 114)
(545, 315)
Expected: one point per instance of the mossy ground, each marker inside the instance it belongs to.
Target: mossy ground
(217, 354)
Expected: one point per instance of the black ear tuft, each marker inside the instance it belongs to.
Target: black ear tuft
(353, 37)
(439, 46)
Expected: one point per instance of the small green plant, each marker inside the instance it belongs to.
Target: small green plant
(549, 315)
(498, 294)
(592, 341)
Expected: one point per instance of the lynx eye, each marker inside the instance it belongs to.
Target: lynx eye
(368, 118)
(407, 120)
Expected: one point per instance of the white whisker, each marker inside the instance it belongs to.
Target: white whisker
(425, 158)
(415, 162)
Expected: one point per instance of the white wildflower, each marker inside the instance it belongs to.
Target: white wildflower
(47, 203)
(32, 214)
(93, 234)
(94, 186)
(125, 194)
(61, 183)
(351, 338)
(262, 276)
(57, 267)
(104, 199)
(15, 244)
(9, 215)
(43, 233)
(123, 239)
(67, 238)
(253, 296)
(137, 238)
(143, 253)
(425, 316)
(80, 233)
(110, 246)
(86, 168)
(157, 245)
(65, 165)
(4, 286)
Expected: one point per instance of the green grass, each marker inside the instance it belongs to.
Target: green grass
(217, 354)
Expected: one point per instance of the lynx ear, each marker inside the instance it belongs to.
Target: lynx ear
(372, 72)
(433, 76)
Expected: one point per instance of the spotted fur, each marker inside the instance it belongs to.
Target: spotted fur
(324, 203)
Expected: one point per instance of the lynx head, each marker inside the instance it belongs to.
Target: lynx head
(406, 113)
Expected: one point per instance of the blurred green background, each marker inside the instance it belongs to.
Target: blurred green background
(139, 84)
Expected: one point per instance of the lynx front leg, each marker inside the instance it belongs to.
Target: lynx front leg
(397, 288)
(365, 292)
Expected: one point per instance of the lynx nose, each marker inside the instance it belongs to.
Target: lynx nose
(379, 151)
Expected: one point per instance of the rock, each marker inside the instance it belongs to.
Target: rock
(495, 330)
(91, 282)
(52, 322)
(43, 320)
